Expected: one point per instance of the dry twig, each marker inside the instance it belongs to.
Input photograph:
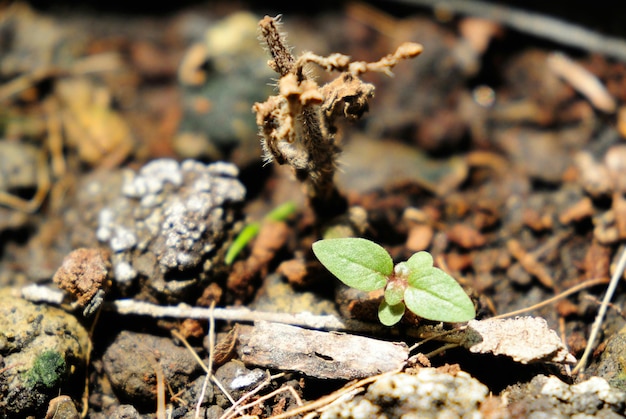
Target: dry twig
(534, 24)
(617, 275)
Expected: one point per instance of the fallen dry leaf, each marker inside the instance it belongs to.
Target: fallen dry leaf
(525, 339)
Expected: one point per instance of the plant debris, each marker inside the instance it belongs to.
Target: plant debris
(299, 125)
(318, 354)
(525, 339)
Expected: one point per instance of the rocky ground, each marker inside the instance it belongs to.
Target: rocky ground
(131, 169)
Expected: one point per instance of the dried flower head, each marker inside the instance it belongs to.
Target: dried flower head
(298, 125)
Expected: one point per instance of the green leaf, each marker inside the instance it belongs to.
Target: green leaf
(419, 261)
(394, 293)
(358, 263)
(390, 314)
(248, 233)
(433, 294)
(282, 212)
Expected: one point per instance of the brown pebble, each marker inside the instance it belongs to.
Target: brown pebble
(419, 237)
(465, 236)
(457, 262)
(566, 308)
(621, 121)
(62, 407)
(536, 221)
(294, 270)
(191, 328)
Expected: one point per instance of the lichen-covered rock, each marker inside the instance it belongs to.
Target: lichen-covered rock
(427, 394)
(171, 224)
(545, 397)
(43, 350)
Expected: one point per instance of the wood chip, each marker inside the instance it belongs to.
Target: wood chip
(327, 355)
(525, 339)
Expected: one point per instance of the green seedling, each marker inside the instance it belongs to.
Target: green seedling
(250, 231)
(416, 284)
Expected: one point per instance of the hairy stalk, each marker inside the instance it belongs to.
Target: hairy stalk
(298, 125)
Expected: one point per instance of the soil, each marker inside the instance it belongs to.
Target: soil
(130, 161)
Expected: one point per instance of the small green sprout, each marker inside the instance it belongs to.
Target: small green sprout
(415, 284)
(250, 231)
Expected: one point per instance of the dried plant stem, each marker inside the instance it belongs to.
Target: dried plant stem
(326, 400)
(43, 186)
(211, 356)
(298, 125)
(534, 24)
(237, 408)
(587, 284)
(160, 390)
(617, 275)
(308, 320)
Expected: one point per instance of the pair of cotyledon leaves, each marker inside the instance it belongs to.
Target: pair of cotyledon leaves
(430, 293)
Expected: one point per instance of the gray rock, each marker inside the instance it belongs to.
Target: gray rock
(183, 215)
(131, 362)
(550, 397)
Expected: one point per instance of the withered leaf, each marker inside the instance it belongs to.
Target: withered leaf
(525, 339)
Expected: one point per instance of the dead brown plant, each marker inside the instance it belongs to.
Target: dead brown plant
(298, 125)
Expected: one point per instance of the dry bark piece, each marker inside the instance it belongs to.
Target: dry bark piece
(525, 339)
(597, 261)
(326, 355)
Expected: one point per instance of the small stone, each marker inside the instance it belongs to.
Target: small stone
(131, 361)
(419, 238)
(466, 236)
(62, 407)
(550, 397)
